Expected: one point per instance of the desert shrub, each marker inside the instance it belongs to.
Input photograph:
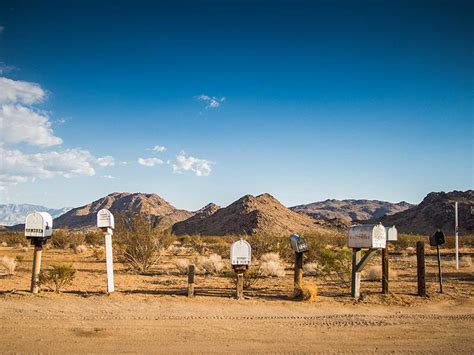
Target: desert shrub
(94, 238)
(4, 244)
(8, 265)
(182, 266)
(251, 276)
(24, 249)
(312, 269)
(307, 292)
(373, 273)
(57, 277)
(19, 258)
(267, 243)
(98, 253)
(335, 264)
(271, 265)
(64, 239)
(80, 249)
(139, 244)
(13, 238)
(212, 265)
(465, 261)
(221, 248)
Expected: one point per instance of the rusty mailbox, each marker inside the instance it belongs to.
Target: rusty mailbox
(298, 243)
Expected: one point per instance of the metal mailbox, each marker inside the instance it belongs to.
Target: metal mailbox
(367, 236)
(392, 234)
(105, 219)
(240, 253)
(298, 243)
(38, 225)
(437, 238)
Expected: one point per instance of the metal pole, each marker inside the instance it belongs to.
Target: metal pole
(439, 271)
(36, 267)
(456, 233)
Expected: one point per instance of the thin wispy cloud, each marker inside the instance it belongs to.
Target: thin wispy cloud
(149, 162)
(211, 102)
(4, 68)
(159, 148)
(109, 177)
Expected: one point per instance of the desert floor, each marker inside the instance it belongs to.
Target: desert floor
(150, 313)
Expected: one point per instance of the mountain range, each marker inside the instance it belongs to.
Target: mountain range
(11, 214)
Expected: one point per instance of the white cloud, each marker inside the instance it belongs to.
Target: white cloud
(22, 124)
(16, 91)
(110, 177)
(159, 148)
(106, 161)
(211, 101)
(150, 161)
(201, 167)
(16, 166)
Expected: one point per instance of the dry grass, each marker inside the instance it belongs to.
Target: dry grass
(373, 273)
(311, 269)
(8, 265)
(182, 266)
(307, 292)
(79, 249)
(212, 265)
(271, 265)
(465, 261)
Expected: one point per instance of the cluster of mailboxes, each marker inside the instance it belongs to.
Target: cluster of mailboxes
(371, 236)
(38, 225)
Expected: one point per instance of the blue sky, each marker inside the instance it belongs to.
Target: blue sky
(304, 100)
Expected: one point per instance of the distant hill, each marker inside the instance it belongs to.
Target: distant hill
(436, 211)
(11, 214)
(163, 213)
(248, 215)
(351, 210)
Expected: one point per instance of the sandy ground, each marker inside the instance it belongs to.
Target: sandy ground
(149, 313)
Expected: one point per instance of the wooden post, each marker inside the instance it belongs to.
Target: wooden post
(385, 271)
(298, 276)
(439, 271)
(355, 282)
(36, 267)
(420, 268)
(240, 285)
(191, 280)
(109, 259)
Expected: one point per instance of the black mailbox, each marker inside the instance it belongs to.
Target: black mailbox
(437, 238)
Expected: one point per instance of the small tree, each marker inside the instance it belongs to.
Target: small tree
(139, 243)
(57, 277)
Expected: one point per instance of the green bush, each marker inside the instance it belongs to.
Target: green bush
(14, 238)
(334, 264)
(94, 237)
(57, 277)
(65, 239)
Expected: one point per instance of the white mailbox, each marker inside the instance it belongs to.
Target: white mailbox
(240, 253)
(39, 225)
(392, 234)
(367, 236)
(298, 243)
(105, 219)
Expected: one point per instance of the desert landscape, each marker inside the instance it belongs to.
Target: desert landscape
(150, 310)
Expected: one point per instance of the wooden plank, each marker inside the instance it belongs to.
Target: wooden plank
(365, 259)
(240, 286)
(191, 270)
(355, 282)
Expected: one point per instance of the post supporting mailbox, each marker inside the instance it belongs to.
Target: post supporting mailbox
(420, 268)
(191, 269)
(240, 258)
(300, 246)
(392, 236)
(38, 229)
(105, 221)
(371, 237)
(438, 239)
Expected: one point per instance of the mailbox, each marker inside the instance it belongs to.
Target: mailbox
(367, 236)
(105, 219)
(298, 243)
(38, 225)
(437, 238)
(392, 234)
(240, 253)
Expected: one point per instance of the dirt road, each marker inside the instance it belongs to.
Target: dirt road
(164, 324)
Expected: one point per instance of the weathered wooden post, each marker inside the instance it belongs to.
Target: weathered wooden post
(105, 221)
(191, 280)
(299, 246)
(240, 259)
(420, 268)
(370, 236)
(392, 236)
(438, 239)
(38, 229)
